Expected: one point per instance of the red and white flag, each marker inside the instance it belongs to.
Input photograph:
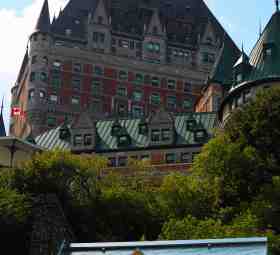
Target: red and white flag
(16, 111)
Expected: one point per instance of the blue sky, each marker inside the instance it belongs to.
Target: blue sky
(241, 19)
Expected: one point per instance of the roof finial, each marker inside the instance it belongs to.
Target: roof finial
(260, 28)
(277, 5)
(2, 106)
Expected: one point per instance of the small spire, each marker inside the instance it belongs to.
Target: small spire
(2, 106)
(277, 5)
(2, 125)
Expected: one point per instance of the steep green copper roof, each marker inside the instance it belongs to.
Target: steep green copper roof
(222, 69)
(243, 59)
(106, 142)
(267, 67)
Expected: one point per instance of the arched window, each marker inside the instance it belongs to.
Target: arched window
(42, 94)
(31, 93)
(45, 60)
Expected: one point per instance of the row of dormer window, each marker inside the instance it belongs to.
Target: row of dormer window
(168, 158)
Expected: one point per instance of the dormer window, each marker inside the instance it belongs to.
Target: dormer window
(116, 129)
(124, 140)
(200, 135)
(64, 133)
(268, 50)
(143, 129)
(191, 124)
(155, 135)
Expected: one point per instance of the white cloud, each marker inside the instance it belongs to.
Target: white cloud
(15, 29)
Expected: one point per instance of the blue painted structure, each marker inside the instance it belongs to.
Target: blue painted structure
(237, 246)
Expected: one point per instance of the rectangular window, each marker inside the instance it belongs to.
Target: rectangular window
(187, 104)
(123, 75)
(77, 67)
(96, 86)
(122, 110)
(137, 96)
(32, 76)
(187, 87)
(54, 98)
(170, 158)
(137, 111)
(208, 57)
(155, 81)
(186, 157)
(155, 99)
(131, 45)
(113, 41)
(166, 135)
(171, 84)
(121, 91)
(138, 45)
(98, 70)
(171, 102)
(122, 161)
(76, 83)
(51, 121)
(139, 78)
(102, 37)
(75, 100)
(95, 37)
(88, 140)
(124, 43)
(155, 135)
(78, 140)
(56, 80)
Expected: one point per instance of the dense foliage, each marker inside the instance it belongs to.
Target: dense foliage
(233, 190)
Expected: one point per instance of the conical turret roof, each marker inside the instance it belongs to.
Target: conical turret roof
(43, 23)
(264, 65)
